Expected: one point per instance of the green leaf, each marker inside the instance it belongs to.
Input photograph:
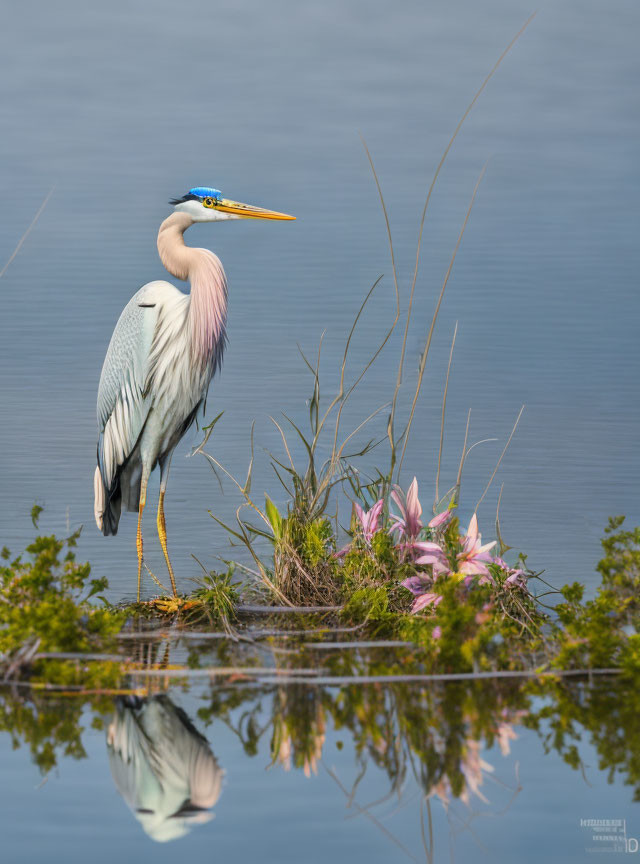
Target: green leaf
(213, 423)
(98, 585)
(274, 517)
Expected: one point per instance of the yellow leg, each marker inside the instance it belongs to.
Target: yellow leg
(162, 534)
(143, 495)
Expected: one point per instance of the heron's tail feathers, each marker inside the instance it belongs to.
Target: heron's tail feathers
(106, 505)
(98, 498)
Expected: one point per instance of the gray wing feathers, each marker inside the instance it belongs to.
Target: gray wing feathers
(123, 404)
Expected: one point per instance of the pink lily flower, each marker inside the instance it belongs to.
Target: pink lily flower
(418, 585)
(441, 519)
(408, 523)
(483, 580)
(431, 553)
(369, 522)
(516, 579)
(428, 599)
(473, 558)
(370, 519)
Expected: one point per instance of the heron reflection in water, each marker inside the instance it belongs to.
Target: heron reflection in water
(163, 353)
(162, 766)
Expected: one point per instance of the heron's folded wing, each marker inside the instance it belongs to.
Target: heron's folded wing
(123, 402)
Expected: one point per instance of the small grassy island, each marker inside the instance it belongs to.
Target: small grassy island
(436, 589)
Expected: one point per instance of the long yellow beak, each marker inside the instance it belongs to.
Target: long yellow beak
(247, 211)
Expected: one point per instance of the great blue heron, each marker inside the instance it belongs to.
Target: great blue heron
(163, 353)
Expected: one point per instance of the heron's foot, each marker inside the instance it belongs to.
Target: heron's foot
(172, 605)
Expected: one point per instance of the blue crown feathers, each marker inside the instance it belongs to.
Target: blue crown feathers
(205, 192)
(197, 194)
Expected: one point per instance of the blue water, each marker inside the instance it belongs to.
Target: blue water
(118, 107)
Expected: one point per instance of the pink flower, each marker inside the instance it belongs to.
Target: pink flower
(516, 579)
(417, 584)
(437, 632)
(441, 519)
(484, 580)
(428, 599)
(408, 523)
(370, 519)
(369, 522)
(473, 557)
(431, 553)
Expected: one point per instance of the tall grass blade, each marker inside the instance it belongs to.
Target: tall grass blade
(444, 408)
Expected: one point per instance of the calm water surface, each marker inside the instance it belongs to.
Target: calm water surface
(119, 107)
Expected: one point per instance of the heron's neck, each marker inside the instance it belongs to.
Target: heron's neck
(208, 299)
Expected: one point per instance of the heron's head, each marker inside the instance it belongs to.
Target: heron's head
(205, 204)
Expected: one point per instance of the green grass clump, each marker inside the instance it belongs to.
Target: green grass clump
(217, 596)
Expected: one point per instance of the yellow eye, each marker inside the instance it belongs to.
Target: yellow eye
(209, 202)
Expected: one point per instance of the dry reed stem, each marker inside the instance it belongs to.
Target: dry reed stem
(342, 371)
(444, 408)
(463, 455)
(506, 447)
(27, 232)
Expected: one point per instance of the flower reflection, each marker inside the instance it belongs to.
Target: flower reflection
(298, 730)
(161, 765)
(505, 733)
(473, 768)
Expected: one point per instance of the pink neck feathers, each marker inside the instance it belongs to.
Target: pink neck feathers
(203, 269)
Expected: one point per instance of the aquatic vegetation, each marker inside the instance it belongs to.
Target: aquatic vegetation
(406, 584)
(449, 592)
(216, 597)
(603, 631)
(45, 608)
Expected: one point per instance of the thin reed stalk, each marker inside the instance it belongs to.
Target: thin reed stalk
(444, 408)
(28, 231)
(495, 470)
